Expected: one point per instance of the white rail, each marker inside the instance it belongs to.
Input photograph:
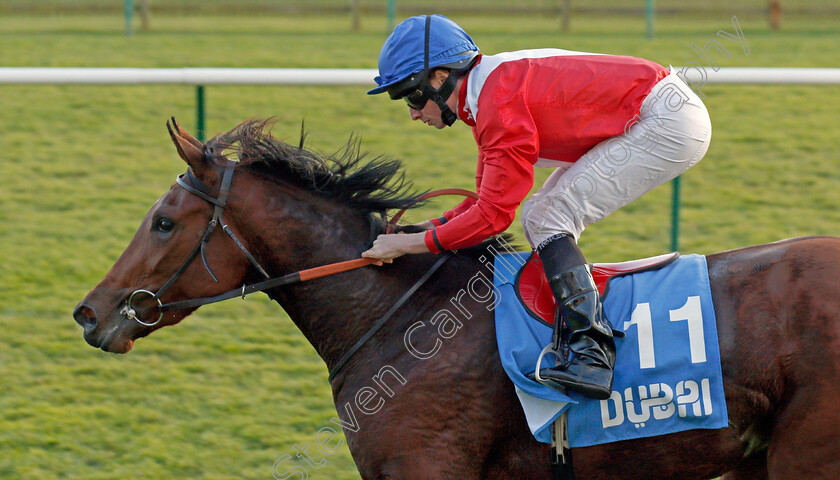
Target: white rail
(805, 76)
(341, 76)
(187, 76)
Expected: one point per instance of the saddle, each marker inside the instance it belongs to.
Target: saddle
(534, 292)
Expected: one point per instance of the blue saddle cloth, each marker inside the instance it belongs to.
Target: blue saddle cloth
(667, 373)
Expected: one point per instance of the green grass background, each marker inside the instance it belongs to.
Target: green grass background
(236, 386)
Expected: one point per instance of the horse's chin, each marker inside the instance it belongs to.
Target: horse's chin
(118, 346)
(115, 341)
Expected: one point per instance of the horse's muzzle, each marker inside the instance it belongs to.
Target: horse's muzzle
(111, 339)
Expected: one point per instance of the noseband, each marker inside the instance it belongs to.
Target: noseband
(188, 182)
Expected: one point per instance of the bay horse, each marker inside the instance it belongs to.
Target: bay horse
(455, 414)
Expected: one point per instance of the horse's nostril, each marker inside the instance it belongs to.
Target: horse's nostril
(86, 317)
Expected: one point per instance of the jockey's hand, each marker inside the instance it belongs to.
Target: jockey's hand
(388, 247)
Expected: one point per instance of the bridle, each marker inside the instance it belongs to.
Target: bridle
(190, 183)
(187, 180)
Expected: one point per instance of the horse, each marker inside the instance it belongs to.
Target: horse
(455, 414)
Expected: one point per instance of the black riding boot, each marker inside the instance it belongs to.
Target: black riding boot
(580, 323)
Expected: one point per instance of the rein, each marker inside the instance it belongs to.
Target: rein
(194, 186)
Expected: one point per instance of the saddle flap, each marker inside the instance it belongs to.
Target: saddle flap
(534, 292)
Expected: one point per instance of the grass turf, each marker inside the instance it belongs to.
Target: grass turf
(236, 386)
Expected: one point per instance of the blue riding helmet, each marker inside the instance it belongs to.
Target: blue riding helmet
(404, 52)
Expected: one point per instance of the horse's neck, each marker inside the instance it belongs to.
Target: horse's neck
(334, 312)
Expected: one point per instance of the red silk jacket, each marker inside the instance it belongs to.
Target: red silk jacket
(536, 108)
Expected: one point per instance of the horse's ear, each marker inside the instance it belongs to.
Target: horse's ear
(192, 151)
(186, 136)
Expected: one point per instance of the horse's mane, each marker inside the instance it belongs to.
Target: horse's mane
(371, 186)
(377, 185)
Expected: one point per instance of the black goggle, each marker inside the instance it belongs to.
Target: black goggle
(417, 98)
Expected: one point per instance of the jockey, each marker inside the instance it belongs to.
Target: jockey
(611, 127)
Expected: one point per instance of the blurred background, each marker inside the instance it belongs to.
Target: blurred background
(236, 386)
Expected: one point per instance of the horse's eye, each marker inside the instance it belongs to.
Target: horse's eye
(164, 225)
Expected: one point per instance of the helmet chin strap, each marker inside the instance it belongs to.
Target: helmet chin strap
(441, 95)
(447, 116)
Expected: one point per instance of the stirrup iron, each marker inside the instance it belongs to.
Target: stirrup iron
(562, 362)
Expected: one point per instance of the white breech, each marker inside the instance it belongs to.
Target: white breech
(670, 134)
